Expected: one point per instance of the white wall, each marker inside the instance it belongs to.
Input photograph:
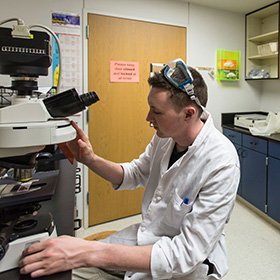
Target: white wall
(165, 11)
(270, 98)
(212, 29)
(35, 12)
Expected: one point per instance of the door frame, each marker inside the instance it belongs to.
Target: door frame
(85, 173)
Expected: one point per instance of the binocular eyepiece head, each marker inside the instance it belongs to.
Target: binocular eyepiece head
(69, 103)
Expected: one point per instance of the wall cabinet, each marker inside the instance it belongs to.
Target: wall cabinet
(260, 166)
(262, 38)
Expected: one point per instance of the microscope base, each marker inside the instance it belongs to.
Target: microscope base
(16, 247)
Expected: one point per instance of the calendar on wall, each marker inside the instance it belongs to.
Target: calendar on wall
(68, 30)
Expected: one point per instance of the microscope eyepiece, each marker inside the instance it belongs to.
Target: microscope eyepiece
(89, 98)
(69, 102)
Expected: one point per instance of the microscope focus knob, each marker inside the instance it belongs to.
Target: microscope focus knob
(3, 247)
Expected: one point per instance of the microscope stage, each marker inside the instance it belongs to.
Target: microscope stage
(24, 138)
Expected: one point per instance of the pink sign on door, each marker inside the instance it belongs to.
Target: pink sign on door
(124, 72)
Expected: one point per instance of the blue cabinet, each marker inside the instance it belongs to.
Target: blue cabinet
(273, 182)
(255, 143)
(236, 139)
(234, 136)
(260, 171)
(239, 152)
(254, 178)
(252, 153)
(254, 171)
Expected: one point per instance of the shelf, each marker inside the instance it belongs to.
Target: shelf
(265, 56)
(262, 42)
(267, 37)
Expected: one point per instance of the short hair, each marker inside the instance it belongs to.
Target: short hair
(178, 97)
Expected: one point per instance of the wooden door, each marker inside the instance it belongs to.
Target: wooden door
(118, 130)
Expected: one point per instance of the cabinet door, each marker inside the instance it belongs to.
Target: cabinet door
(239, 152)
(236, 138)
(254, 178)
(274, 149)
(273, 197)
(255, 143)
(233, 136)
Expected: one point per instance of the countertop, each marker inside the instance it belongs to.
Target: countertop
(228, 122)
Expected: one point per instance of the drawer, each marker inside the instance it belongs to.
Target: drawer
(274, 149)
(233, 136)
(255, 143)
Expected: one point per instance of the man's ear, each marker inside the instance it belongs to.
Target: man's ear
(190, 111)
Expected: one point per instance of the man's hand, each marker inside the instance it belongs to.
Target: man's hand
(53, 255)
(83, 152)
(80, 146)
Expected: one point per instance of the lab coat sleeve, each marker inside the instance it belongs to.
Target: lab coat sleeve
(137, 171)
(201, 228)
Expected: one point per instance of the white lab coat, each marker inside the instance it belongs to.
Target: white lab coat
(184, 235)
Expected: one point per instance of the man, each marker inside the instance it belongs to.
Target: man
(190, 172)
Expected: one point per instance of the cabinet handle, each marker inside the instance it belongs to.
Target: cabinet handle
(253, 143)
(239, 151)
(243, 154)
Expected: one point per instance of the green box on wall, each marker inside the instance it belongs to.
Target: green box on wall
(228, 65)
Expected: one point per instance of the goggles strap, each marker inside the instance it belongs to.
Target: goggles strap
(189, 90)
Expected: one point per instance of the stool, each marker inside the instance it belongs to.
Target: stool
(99, 235)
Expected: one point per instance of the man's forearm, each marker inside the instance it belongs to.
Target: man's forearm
(119, 257)
(108, 170)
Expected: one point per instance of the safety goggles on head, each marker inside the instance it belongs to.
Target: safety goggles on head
(178, 75)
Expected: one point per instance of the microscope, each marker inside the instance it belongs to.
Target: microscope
(28, 123)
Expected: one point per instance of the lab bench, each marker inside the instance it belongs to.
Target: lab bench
(259, 165)
(15, 275)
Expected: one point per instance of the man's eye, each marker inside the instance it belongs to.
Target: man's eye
(157, 113)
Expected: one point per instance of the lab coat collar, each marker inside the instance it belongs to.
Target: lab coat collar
(208, 125)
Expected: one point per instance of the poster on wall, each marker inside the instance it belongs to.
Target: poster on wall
(124, 72)
(68, 30)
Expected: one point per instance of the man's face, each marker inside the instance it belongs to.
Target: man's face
(166, 121)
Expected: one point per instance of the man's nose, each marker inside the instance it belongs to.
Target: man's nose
(149, 118)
